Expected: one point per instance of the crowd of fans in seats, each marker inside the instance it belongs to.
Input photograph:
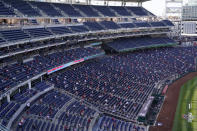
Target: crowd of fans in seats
(56, 110)
(120, 84)
(116, 84)
(7, 109)
(14, 74)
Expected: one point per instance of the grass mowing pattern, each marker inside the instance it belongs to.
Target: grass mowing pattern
(188, 94)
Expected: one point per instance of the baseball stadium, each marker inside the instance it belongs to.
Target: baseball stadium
(98, 65)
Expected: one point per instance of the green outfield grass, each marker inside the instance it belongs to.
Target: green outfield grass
(188, 95)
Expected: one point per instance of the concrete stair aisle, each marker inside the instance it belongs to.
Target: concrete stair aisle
(77, 98)
(93, 122)
(117, 15)
(18, 13)
(99, 13)
(132, 14)
(55, 119)
(37, 9)
(80, 12)
(59, 10)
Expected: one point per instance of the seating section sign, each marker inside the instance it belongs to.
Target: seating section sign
(73, 62)
(64, 66)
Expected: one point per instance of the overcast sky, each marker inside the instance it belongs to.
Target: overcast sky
(157, 7)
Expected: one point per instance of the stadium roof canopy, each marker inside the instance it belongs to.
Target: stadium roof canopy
(130, 0)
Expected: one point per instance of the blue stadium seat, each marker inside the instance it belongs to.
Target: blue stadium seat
(94, 26)
(142, 24)
(109, 25)
(38, 32)
(139, 42)
(157, 24)
(68, 9)
(139, 11)
(23, 7)
(78, 28)
(47, 8)
(60, 30)
(127, 25)
(105, 10)
(14, 35)
(168, 23)
(6, 11)
(86, 9)
(121, 10)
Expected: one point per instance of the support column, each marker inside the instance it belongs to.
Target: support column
(8, 97)
(122, 3)
(140, 4)
(29, 84)
(41, 78)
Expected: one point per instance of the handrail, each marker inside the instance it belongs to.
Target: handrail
(22, 107)
(76, 34)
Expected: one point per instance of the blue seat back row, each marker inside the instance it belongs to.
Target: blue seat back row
(32, 9)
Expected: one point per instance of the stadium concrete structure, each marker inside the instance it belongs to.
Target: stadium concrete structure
(72, 67)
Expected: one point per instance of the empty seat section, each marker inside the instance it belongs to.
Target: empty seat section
(168, 23)
(23, 7)
(38, 32)
(105, 10)
(156, 24)
(109, 24)
(1, 40)
(139, 42)
(13, 35)
(94, 26)
(86, 9)
(168, 40)
(137, 11)
(68, 9)
(121, 10)
(41, 86)
(79, 28)
(142, 24)
(47, 8)
(127, 25)
(6, 11)
(60, 30)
